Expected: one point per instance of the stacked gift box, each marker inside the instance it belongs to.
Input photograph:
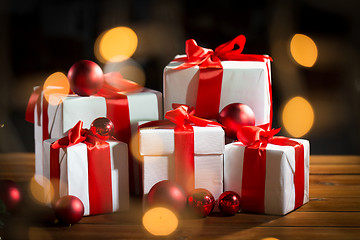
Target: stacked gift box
(270, 173)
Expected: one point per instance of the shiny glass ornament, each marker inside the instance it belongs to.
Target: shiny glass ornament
(86, 78)
(229, 202)
(69, 209)
(102, 128)
(201, 202)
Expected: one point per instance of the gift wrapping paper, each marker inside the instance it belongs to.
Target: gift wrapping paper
(157, 149)
(279, 196)
(74, 176)
(246, 82)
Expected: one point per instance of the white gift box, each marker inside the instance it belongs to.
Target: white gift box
(157, 149)
(243, 82)
(74, 179)
(279, 196)
(145, 105)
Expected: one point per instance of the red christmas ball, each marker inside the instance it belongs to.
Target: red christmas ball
(167, 194)
(69, 209)
(86, 78)
(10, 194)
(229, 202)
(102, 128)
(234, 116)
(201, 201)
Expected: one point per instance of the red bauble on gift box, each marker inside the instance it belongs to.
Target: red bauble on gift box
(86, 78)
(102, 128)
(234, 116)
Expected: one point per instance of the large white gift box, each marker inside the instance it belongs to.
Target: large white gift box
(75, 176)
(247, 82)
(69, 109)
(278, 190)
(157, 149)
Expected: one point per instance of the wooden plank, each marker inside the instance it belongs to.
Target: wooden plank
(336, 159)
(291, 233)
(325, 186)
(319, 219)
(335, 204)
(217, 232)
(335, 169)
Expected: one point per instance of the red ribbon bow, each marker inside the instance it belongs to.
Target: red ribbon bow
(99, 167)
(211, 71)
(183, 116)
(256, 135)
(207, 58)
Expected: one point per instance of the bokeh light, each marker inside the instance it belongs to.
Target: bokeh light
(303, 49)
(298, 116)
(56, 83)
(269, 238)
(160, 221)
(134, 146)
(44, 193)
(116, 44)
(129, 69)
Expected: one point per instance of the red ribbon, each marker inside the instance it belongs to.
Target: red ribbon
(183, 117)
(254, 166)
(211, 72)
(99, 167)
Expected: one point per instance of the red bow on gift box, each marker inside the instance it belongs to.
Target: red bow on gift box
(211, 71)
(256, 138)
(183, 117)
(99, 167)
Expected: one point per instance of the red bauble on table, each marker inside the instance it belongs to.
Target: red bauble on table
(102, 128)
(201, 201)
(86, 78)
(229, 202)
(234, 116)
(10, 194)
(69, 209)
(167, 194)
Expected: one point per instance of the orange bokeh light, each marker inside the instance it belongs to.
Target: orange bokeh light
(56, 83)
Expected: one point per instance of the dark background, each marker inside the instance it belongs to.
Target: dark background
(40, 37)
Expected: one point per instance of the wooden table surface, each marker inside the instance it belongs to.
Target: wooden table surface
(332, 213)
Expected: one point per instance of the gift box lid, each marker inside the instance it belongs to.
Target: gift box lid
(160, 140)
(225, 64)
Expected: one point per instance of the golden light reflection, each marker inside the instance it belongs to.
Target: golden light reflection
(129, 70)
(41, 193)
(160, 221)
(269, 238)
(134, 146)
(116, 44)
(38, 233)
(56, 83)
(298, 116)
(303, 49)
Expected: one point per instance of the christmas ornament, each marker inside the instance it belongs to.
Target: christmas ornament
(229, 202)
(86, 78)
(69, 209)
(234, 116)
(10, 194)
(167, 194)
(102, 128)
(201, 201)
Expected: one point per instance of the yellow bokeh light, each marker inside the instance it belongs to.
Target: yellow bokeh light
(41, 193)
(129, 69)
(298, 116)
(160, 221)
(270, 238)
(303, 49)
(116, 44)
(56, 83)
